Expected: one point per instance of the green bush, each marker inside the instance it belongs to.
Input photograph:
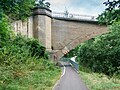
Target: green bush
(102, 53)
(36, 49)
(17, 9)
(19, 49)
(5, 31)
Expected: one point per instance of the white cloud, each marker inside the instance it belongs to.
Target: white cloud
(53, 2)
(87, 7)
(84, 11)
(59, 5)
(58, 2)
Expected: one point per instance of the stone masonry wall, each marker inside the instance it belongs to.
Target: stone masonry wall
(24, 27)
(69, 34)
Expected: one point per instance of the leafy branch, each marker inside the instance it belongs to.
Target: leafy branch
(42, 3)
(111, 13)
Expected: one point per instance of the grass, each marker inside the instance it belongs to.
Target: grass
(31, 76)
(96, 81)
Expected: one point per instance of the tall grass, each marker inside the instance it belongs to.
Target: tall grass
(99, 81)
(35, 74)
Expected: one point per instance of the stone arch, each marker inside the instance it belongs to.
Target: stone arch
(66, 35)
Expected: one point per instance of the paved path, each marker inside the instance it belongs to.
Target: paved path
(70, 80)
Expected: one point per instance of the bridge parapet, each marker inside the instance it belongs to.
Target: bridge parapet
(71, 16)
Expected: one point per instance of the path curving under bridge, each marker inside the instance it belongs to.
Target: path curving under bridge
(70, 80)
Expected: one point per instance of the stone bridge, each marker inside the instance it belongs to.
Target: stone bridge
(59, 32)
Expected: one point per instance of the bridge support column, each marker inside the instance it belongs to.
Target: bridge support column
(42, 26)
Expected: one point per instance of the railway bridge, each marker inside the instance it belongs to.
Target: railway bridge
(59, 32)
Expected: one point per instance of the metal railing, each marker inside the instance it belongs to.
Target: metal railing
(74, 64)
(73, 16)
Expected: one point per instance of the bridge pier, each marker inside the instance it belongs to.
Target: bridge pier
(42, 31)
(42, 26)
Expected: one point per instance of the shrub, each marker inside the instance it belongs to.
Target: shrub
(102, 53)
(5, 31)
(20, 48)
(36, 49)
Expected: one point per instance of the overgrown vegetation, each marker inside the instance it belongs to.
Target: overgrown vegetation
(101, 54)
(99, 81)
(20, 9)
(24, 62)
(111, 13)
(17, 9)
(42, 3)
(34, 74)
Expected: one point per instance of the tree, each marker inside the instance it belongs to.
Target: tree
(17, 9)
(42, 3)
(111, 13)
(5, 31)
(20, 9)
(112, 4)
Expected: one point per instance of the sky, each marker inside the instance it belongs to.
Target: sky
(83, 7)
